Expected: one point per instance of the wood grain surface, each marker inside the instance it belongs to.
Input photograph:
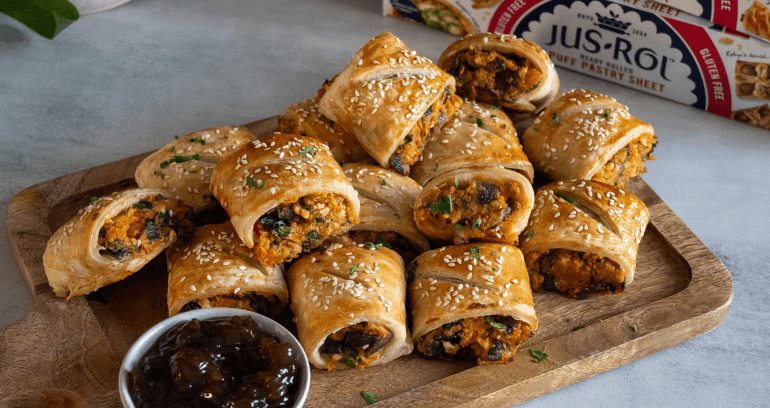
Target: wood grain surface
(68, 353)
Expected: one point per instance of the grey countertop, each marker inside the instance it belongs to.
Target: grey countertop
(125, 81)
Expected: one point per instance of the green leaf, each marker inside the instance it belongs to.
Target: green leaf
(451, 324)
(318, 219)
(384, 183)
(45, 17)
(605, 114)
(260, 184)
(444, 205)
(29, 231)
(36, 260)
(179, 159)
(494, 107)
(476, 224)
(529, 234)
(251, 182)
(556, 120)
(407, 139)
(383, 242)
(539, 355)
(283, 231)
(144, 205)
(503, 125)
(491, 321)
(198, 140)
(312, 236)
(635, 329)
(369, 397)
(310, 149)
(479, 122)
(457, 184)
(353, 270)
(475, 250)
(457, 227)
(565, 198)
(350, 361)
(576, 328)
(160, 197)
(436, 168)
(158, 173)
(93, 200)
(372, 245)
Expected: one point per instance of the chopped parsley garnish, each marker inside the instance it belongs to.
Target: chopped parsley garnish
(475, 250)
(342, 164)
(384, 183)
(372, 245)
(635, 329)
(144, 205)
(368, 396)
(565, 198)
(384, 242)
(494, 107)
(36, 260)
(436, 168)
(451, 324)
(158, 173)
(312, 236)
(308, 150)
(503, 125)
(479, 122)
(251, 182)
(457, 226)
(160, 197)
(556, 118)
(29, 231)
(457, 184)
(444, 205)
(576, 328)
(172, 149)
(533, 87)
(539, 355)
(393, 76)
(492, 116)
(283, 231)
(93, 199)
(491, 321)
(494, 253)
(476, 224)
(353, 270)
(198, 140)
(350, 361)
(318, 219)
(409, 272)
(408, 139)
(306, 206)
(465, 99)
(529, 234)
(192, 171)
(180, 159)
(605, 114)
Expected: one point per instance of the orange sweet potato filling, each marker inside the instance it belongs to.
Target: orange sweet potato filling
(628, 162)
(360, 359)
(573, 273)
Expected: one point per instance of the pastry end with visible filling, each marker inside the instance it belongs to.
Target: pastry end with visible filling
(574, 273)
(628, 162)
(356, 346)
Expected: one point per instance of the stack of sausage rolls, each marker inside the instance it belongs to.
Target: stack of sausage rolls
(393, 212)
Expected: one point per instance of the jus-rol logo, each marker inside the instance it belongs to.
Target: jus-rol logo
(616, 43)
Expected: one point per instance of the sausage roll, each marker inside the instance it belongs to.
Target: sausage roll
(471, 301)
(112, 238)
(285, 194)
(441, 14)
(583, 237)
(588, 136)
(215, 269)
(756, 20)
(349, 303)
(387, 218)
(183, 167)
(476, 135)
(475, 203)
(304, 119)
(503, 70)
(390, 99)
(752, 80)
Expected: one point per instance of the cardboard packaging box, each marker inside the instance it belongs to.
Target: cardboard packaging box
(636, 44)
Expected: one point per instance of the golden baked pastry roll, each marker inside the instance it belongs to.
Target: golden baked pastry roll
(387, 218)
(443, 15)
(350, 306)
(588, 136)
(183, 167)
(475, 203)
(112, 238)
(756, 20)
(304, 119)
(583, 237)
(503, 70)
(215, 269)
(752, 80)
(285, 194)
(471, 301)
(390, 98)
(476, 135)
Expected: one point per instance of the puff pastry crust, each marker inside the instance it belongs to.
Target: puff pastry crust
(345, 286)
(752, 80)
(72, 260)
(183, 167)
(589, 136)
(304, 119)
(470, 281)
(386, 199)
(475, 203)
(285, 170)
(519, 75)
(756, 20)
(390, 98)
(476, 135)
(215, 269)
(584, 217)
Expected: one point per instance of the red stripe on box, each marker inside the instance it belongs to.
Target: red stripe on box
(508, 13)
(726, 13)
(711, 66)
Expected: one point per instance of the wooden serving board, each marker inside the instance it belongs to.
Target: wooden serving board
(68, 353)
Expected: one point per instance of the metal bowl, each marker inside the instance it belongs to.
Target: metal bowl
(142, 346)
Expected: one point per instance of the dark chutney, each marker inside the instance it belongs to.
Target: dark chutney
(222, 362)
